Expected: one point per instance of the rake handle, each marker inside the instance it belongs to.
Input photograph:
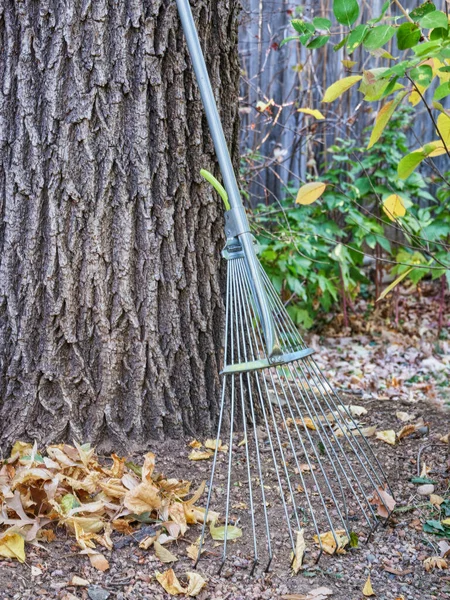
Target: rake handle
(236, 214)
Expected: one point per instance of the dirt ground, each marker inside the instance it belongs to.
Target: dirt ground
(382, 371)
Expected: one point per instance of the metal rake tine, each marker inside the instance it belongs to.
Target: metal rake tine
(236, 280)
(245, 327)
(349, 435)
(256, 327)
(322, 379)
(283, 316)
(336, 439)
(257, 333)
(219, 427)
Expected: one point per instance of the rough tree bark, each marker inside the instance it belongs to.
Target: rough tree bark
(110, 286)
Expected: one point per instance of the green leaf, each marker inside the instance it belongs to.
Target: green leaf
(356, 37)
(438, 34)
(217, 186)
(318, 42)
(433, 19)
(346, 11)
(322, 23)
(353, 539)
(339, 87)
(422, 480)
(408, 35)
(427, 49)
(408, 163)
(302, 26)
(442, 91)
(341, 44)
(422, 10)
(378, 36)
(291, 38)
(422, 75)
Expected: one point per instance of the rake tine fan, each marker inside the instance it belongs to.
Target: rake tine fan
(294, 428)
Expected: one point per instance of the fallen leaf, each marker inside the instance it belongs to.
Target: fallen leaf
(143, 498)
(192, 550)
(79, 581)
(211, 445)
(353, 409)
(445, 438)
(321, 593)
(98, 561)
(12, 545)
(384, 502)
(199, 455)
(300, 548)
(242, 442)
(404, 416)
(35, 571)
(436, 500)
(435, 562)
(218, 533)
(387, 436)
(406, 431)
(328, 541)
(169, 581)
(163, 554)
(195, 583)
(444, 548)
(367, 589)
(195, 444)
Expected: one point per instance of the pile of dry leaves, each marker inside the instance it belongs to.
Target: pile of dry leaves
(67, 485)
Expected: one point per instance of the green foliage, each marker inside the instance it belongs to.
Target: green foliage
(314, 253)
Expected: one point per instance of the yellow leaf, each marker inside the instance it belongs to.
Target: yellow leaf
(218, 533)
(404, 416)
(143, 498)
(163, 554)
(211, 445)
(169, 581)
(300, 548)
(443, 124)
(21, 449)
(12, 545)
(199, 455)
(393, 207)
(387, 436)
(436, 500)
(383, 118)
(415, 97)
(339, 87)
(195, 444)
(79, 581)
(394, 284)
(446, 522)
(310, 192)
(432, 149)
(348, 64)
(148, 466)
(312, 112)
(242, 442)
(195, 583)
(192, 551)
(367, 589)
(329, 542)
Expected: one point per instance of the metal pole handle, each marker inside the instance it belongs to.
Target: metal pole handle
(236, 215)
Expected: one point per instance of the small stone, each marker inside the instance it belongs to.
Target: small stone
(95, 592)
(425, 490)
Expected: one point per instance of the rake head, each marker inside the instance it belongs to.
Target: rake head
(286, 425)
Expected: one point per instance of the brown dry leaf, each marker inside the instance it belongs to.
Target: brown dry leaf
(404, 416)
(384, 502)
(12, 545)
(444, 548)
(163, 554)
(304, 467)
(195, 583)
(435, 562)
(445, 438)
(192, 550)
(199, 455)
(169, 581)
(300, 549)
(211, 445)
(329, 542)
(308, 423)
(406, 431)
(148, 466)
(387, 436)
(97, 560)
(79, 581)
(147, 542)
(368, 589)
(195, 444)
(143, 498)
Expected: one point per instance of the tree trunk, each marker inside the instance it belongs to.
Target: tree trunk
(111, 306)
